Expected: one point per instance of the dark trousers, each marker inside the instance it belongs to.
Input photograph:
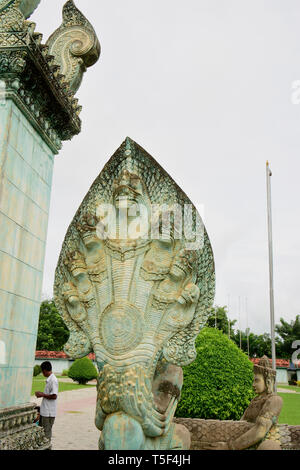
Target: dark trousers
(46, 423)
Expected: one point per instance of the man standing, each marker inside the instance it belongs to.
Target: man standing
(48, 405)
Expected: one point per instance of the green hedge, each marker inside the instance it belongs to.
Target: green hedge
(82, 370)
(218, 385)
(37, 370)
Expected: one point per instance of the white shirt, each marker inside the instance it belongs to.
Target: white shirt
(48, 407)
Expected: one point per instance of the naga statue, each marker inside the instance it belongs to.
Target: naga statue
(135, 299)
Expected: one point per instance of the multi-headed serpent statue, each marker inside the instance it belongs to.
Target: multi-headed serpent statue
(137, 301)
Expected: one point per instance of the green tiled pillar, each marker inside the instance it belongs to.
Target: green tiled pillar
(26, 166)
(38, 110)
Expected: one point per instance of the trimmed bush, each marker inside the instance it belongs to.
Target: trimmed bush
(218, 385)
(82, 370)
(65, 373)
(37, 370)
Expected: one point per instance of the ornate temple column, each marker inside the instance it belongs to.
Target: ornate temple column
(38, 111)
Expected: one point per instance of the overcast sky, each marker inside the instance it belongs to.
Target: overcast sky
(204, 86)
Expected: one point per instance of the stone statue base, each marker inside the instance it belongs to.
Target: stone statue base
(18, 431)
(204, 432)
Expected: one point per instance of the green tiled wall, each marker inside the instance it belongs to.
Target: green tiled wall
(26, 166)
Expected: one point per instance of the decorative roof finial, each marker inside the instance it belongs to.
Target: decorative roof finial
(74, 45)
(129, 152)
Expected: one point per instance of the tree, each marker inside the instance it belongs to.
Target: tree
(259, 345)
(218, 384)
(288, 332)
(219, 319)
(37, 370)
(82, 371)
(52, 332)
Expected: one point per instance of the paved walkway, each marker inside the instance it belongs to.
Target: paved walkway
(74, 427)
(286, 390)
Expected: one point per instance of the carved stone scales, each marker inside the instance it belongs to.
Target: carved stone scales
(135, 298)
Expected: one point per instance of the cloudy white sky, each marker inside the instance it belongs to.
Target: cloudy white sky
(205, 86)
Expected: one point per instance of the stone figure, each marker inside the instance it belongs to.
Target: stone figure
(137, 302)
(260, 430)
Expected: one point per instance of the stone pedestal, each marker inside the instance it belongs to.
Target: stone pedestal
(18, 431)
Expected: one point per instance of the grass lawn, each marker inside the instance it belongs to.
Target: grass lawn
(38, 385)
(290, 413)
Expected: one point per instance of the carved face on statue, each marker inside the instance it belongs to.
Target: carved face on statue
(182, 265)
(88, 230)
(264, 376)
(259, 384)
(128, 187)
(132, 203)
(181, 270)
(73, 304)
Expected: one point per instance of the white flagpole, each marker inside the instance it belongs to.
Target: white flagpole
(240, 322)
(248, 329)
(269, 174)
(228, 316)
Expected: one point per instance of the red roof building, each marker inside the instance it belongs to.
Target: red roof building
(57, 355)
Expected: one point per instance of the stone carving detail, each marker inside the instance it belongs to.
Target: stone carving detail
(204, 432)
(33, 77)
(74, 45)
(257, 429)
(26, 7)
(295, 437)
(17, 430)
(13, 61)
(11, 19)
(137, 302)
(14, 12)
